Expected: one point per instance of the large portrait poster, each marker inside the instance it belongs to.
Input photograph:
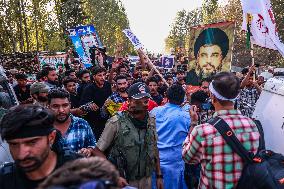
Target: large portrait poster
(210, 48)
(84, 38)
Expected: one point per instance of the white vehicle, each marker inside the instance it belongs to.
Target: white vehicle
(7, 100)
(270, 112)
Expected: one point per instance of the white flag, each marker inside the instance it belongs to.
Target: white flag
(134, 40)
(263, 25)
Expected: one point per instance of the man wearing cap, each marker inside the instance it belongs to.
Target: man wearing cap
(221, 167)
(210, 48)
(131, 139)
(34, 145)
(39, 92)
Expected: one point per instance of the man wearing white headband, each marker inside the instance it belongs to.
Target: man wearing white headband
(221, 167)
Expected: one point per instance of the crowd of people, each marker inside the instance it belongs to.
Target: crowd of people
(121, 127)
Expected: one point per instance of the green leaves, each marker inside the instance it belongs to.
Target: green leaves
(180, 28)
(41, 24)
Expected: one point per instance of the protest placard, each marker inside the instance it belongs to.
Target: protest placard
(134, 40)
(84, 38)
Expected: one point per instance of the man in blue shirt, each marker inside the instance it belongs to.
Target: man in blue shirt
(172, 124)
(77, 133)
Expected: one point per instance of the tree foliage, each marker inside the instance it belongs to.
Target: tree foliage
(179, 30)
(40, 25)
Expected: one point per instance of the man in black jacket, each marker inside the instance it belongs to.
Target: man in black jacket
(97, 92)
(34, 145)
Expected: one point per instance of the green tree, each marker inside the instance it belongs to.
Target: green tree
(179, 30)
(40, 25)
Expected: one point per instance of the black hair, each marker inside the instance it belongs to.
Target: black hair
(120, 77)
(58, 93)
(21, 76)
(75, 62)
(199, 96)
(212, 36)
(121, 66)
(245, 71)
(176, 94)
(180, 72)
(158, 78)
(81, 73)
(8, 73)
(68, 79)
(168, 77)
(39, 76)
(96, 70)
(46, 70)
(226, 84)
(22, 116)
(207, 79)
(152, 79)
(68, 72)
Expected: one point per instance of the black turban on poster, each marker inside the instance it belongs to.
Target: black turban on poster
(212, 36)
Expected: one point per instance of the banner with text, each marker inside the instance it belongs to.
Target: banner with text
(134, 40)
(52, 60)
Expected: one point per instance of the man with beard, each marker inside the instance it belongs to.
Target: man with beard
(39, 92)
(180, 77)
(34, 145)
(131, 138)
(210, 49)
(70, 86)
(97, 92)
(51, 77)
(77, 133)
(153, 86)
(114, 102)
(84, 79)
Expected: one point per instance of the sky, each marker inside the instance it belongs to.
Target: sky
(151, 20)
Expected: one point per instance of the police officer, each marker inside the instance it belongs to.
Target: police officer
(34, 145)
(131, 139)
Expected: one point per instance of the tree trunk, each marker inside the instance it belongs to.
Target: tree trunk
(20, 26)
(36, 15)
(26, 26)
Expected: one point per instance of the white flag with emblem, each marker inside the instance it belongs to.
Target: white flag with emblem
(263, 25)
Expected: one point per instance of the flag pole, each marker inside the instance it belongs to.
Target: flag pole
(250, 44)
(252, 54)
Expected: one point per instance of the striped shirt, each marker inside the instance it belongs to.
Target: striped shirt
(221, 167)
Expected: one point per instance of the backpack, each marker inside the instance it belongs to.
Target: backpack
(264, 170)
